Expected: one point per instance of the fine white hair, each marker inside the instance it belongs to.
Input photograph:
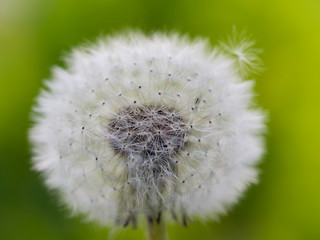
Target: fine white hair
(207, 156)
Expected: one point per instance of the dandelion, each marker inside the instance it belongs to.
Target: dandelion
(153, 127)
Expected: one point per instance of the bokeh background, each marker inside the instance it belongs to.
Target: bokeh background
(34, 34)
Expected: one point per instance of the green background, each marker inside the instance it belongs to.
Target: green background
(34, 34)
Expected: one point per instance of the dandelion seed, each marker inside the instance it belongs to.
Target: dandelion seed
(158, 146)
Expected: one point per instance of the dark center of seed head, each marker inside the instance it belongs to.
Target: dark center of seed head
(149, 132)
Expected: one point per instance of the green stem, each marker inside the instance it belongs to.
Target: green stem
(157, 231)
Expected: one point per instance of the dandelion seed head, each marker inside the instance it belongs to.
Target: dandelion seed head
(155, 125)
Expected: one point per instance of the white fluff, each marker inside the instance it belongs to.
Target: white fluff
(71, 142)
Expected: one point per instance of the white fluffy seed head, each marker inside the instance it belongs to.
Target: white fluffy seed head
(149, 125)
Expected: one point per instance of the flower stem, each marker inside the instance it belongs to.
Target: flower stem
(157, 231)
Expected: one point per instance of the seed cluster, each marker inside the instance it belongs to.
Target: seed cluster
(149, 132)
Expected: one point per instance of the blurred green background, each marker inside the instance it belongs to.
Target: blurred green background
(285, 205)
